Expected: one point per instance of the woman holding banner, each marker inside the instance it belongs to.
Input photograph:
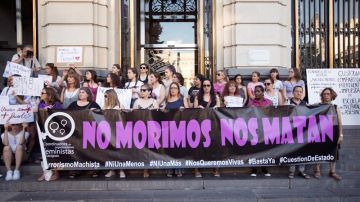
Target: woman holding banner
(259, 101)
(112, 102)
(327, 96)
(146, 102)
(49, 100)
(207, 98)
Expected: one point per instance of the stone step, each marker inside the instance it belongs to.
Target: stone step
(156, 182)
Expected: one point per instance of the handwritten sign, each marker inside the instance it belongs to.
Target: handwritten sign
(345, 82)
(28, 86)
(13, 114)
(14, 68)
(124, 96)
(4, 100)
(69, 54)
(46, 78)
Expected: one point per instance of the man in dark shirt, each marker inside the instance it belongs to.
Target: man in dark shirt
(194, 90)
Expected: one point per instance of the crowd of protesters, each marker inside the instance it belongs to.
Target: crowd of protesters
(73, 90)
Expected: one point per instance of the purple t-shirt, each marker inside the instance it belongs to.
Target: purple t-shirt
(256, 103)
(219, 88)
(56, 105)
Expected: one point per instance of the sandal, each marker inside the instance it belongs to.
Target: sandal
(317, 174)
(335, 176)
(304, 175)
(41, 178)
(146, 174)
(291, 175)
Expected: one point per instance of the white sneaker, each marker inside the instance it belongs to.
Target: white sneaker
(267, 174)
(253, 174)
(9, 175)
(122, 174)
(16, 175)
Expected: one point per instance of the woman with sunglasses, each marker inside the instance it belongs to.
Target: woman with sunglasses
(206, 98)
(111, 101)
(49, 100)
(270, 93)
(231, 95)
(242, 88)
(158, 91)
(221, 79)
(255, 81)
(293, 80)
(146, 102)
(134, 84)
(91, 82)
(144, 73)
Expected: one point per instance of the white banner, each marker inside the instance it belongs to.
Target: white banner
(13, 114)
(345, 82)
(124, 96)
(28, 86)
(69, 54)
(14, 68)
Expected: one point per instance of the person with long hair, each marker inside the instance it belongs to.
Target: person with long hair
(178, 78)
(255, 81)
(328, 95)
(169, 73)
(84, 100)
(242, 88)
(112, 102)
(134, 84)
(194, 90)
(221, 79)
(52, 70)
(116, 69)
(278, 85)
(259, 101)
(158, 91)
(270, 93)
(70, 93)
(145, 101)
(112, 81)
(144, 73)
(231, 95)
(206, 98)
(91, 82)
(14, 142)
(49, 100)
(293, 80)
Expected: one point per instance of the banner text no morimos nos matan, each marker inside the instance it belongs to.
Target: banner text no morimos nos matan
(223, 137)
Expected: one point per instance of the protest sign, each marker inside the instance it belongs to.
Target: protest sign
(188, 138)
(28, 86)
(4, 100)
(46, 78)
(69, 54)
(345, 82)
(13, 114)
(16, 69)
(124, 96)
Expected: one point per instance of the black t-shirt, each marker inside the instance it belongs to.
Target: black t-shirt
(193, 91)
(91, 105)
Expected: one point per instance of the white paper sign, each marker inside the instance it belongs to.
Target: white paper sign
(14, 68)
(28, 86)
(345, 82)
(4, 100)
(69, 54)
(259, 57)
(233, 101)
(13, 114)
(47, 79)
(124, 96)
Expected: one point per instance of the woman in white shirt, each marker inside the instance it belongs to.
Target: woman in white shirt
(270, 93)
(134, 84)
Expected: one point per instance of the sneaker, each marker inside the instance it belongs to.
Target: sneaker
(16, 175)
(169, 175)
(0, 175)
(122, 174)
(198, 175)
(253, 174)
(267, 174)
(110, 174)
(9, 175)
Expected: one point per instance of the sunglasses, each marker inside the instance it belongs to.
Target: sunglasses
(207, 85)
(174, 88)
(219, 74)
(267, 84)
(144, 90)
(105, 96)
(42, 93)
(143, 68)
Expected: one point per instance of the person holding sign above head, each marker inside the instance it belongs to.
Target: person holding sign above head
(158, 91)
(296, 100)
(146, 102)
(206, 98)
(14, 141)
(134, 84)
(231, 95)
(293, 80)
(112, 102)
(26, 58)
(91, 82)
(70, 93)
(259, 101)
(327, 95)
